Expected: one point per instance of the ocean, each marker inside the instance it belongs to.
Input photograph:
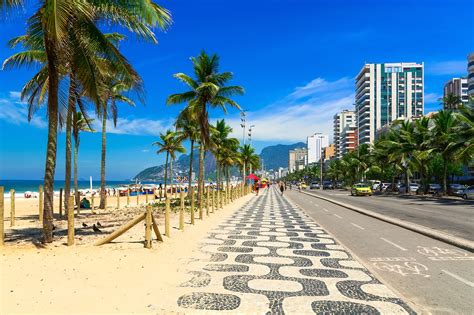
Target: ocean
(21, 186)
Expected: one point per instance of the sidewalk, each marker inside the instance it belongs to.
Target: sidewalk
(271, 257)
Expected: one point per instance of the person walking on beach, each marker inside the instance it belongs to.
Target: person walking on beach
(282, 187)
(257, 187)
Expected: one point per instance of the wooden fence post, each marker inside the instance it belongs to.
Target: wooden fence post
(146, 197)
(61, 203)
(40, 208)
(212, 199)
(191, 192)
(92, 202)
(207, 200)
(128, 196)
(181, 210)
(118, 199)
(148, 227)
(2, 229)
(138, 197)
(217, 197)
(12, 207)
(70, 221)
(167, 216)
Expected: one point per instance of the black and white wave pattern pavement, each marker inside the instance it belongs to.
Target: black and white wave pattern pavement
(271, 258)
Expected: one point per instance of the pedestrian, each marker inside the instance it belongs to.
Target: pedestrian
(282, 187)
(257, 187)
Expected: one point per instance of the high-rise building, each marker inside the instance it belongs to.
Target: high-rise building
(348, 139)
(470, 75)
(386, 92)
(329, 152)
(457, 87)
(341, 120)
(315, 144)
(297, 159)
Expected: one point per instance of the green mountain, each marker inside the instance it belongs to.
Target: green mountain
(274, 156)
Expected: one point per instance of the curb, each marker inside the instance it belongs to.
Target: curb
(441, 236)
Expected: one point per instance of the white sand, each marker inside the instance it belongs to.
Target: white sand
(122, 277)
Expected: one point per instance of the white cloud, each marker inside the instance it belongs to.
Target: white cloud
(432, 98)
(308, 109)
(16, 112)
(451, 67)
(135, 126)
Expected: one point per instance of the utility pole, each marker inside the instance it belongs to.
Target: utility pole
(250, 141)
(321, 174)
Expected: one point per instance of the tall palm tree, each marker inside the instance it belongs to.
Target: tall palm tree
(114, 94)
(445, 138)
(79, 123)
(228, 157)
(190, 130)
(171, 143)
(207, 90)
(219, 139)
(53, 23)
(450, 101)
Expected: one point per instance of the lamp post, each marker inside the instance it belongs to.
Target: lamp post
(242, 124)
(250, 142)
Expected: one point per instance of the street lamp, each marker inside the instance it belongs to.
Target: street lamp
(250, 141)
(242, 124)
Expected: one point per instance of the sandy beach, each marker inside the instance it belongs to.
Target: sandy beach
(120, 277)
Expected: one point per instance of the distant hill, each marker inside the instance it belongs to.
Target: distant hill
(276, 156)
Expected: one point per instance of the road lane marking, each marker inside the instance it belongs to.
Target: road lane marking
(469, 283)
(358, 226)
(337, 216)
(392, 243)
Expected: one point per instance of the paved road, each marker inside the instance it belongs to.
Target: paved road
(272, 258)
(434, 276)
(455, 217)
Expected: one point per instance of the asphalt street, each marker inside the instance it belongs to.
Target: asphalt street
(431, 275)
(455, 217)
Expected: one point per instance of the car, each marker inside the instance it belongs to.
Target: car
(314, 185)
(434, 189)
(361, 189)
(339, 185)
(385, 186)
(375, 184)
(456, 190)
(468, 193)
(401, 187)
(414, 187)
(303, 186)
(327, 185)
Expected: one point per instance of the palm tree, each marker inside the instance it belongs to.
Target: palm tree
(208, 90)
(228, 157)
(53, 25)
(446, 138)
(219, 139)
(171, 143)
(79, 123)
(114, 94)
(190, 130)
(450, 101)
(246, 154)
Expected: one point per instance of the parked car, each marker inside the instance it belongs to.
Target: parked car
(361, 189)
(434, 189)
(400, 187)
(303, 185)
(414, 187)
(339, 185)
(375, 184)
(327, 185)
(385, 186)
(468, 193)
(314, 185)
(456, 190)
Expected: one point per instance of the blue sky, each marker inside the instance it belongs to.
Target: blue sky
(296, 60)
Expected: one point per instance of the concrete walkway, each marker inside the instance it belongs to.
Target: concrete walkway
(271, 258)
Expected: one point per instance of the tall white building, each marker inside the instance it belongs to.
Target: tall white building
(470, 75)
(457, 87)
(315, 144)
(341, 121)
(386, 92)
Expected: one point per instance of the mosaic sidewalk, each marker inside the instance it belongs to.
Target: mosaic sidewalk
(271, 258)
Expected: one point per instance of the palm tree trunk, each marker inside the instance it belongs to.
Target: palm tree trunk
(67, 179)
(103, 195)
(445, 175)
(166, 172)
(201, 174)
(50, 166)
(217, 182)
(76, 189)
(191, 165)
(171, 175)
(407, 188)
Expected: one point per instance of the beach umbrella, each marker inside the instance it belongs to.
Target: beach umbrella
(253, 176)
